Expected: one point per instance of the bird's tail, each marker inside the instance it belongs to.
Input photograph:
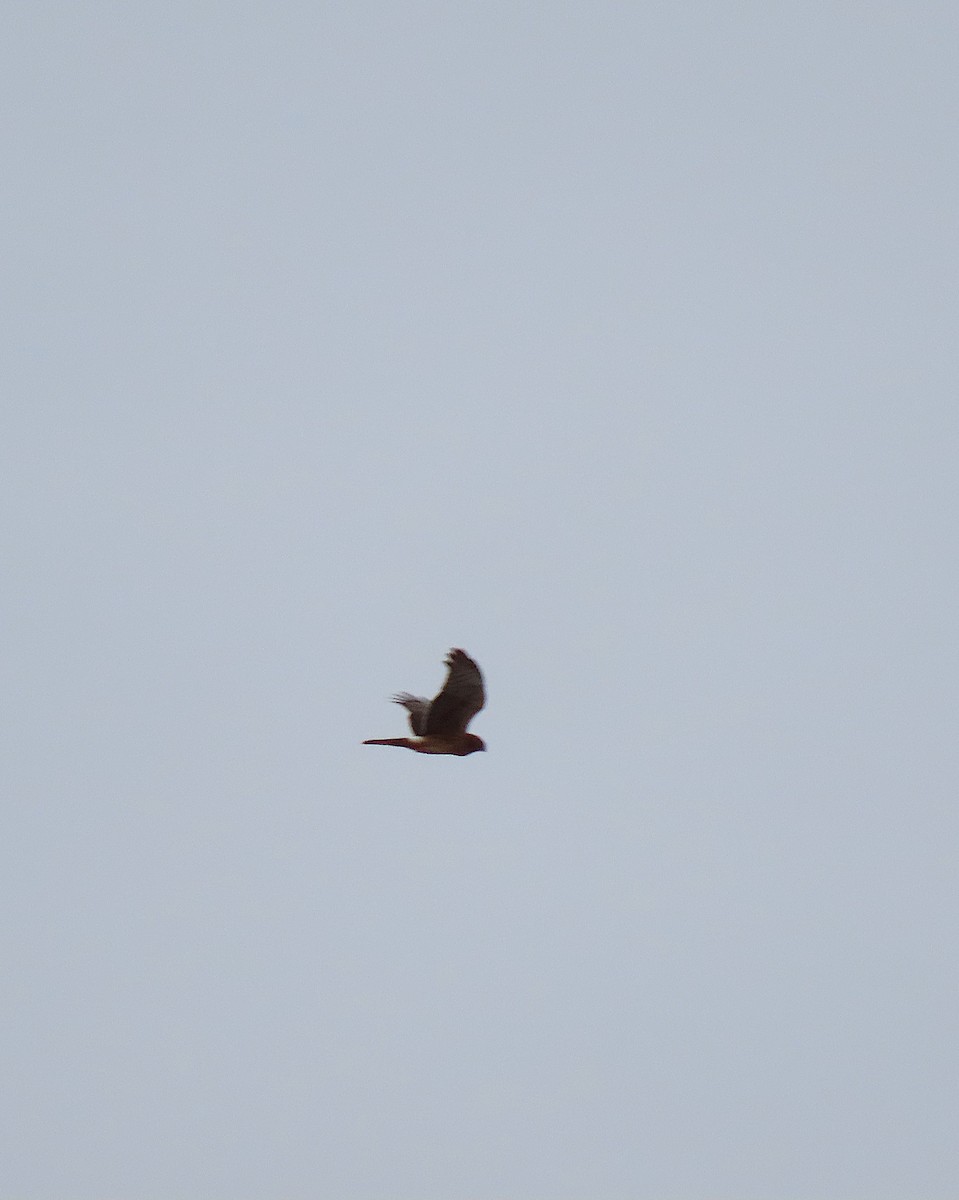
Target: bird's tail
(387, 742)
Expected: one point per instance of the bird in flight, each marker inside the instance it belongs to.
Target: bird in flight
(439, 725)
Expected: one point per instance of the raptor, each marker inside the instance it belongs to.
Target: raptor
(439, 725)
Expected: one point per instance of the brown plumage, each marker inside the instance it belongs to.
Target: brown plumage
(439, 725)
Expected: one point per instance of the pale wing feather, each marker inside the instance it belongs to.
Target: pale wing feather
(418, 707)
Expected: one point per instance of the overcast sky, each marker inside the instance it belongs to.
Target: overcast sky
(616, 343)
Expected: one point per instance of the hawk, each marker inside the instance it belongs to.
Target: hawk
(439, 725)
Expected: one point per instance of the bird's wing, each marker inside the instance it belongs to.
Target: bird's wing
(461, 698)
(417, 707)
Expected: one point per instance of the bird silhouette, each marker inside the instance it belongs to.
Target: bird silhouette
(439, 725)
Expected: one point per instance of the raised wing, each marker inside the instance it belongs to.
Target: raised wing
(417, 707)
(461, 698)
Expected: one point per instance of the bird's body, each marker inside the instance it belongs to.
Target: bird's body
(463, 743)
(439, 725)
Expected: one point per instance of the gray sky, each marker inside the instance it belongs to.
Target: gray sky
(615, 343)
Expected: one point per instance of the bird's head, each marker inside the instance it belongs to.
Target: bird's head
(472, 743)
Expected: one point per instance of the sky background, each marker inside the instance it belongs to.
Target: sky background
(615, 343)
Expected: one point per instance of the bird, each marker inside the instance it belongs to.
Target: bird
(439, 725)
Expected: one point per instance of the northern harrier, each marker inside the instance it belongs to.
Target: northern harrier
(439, 725)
